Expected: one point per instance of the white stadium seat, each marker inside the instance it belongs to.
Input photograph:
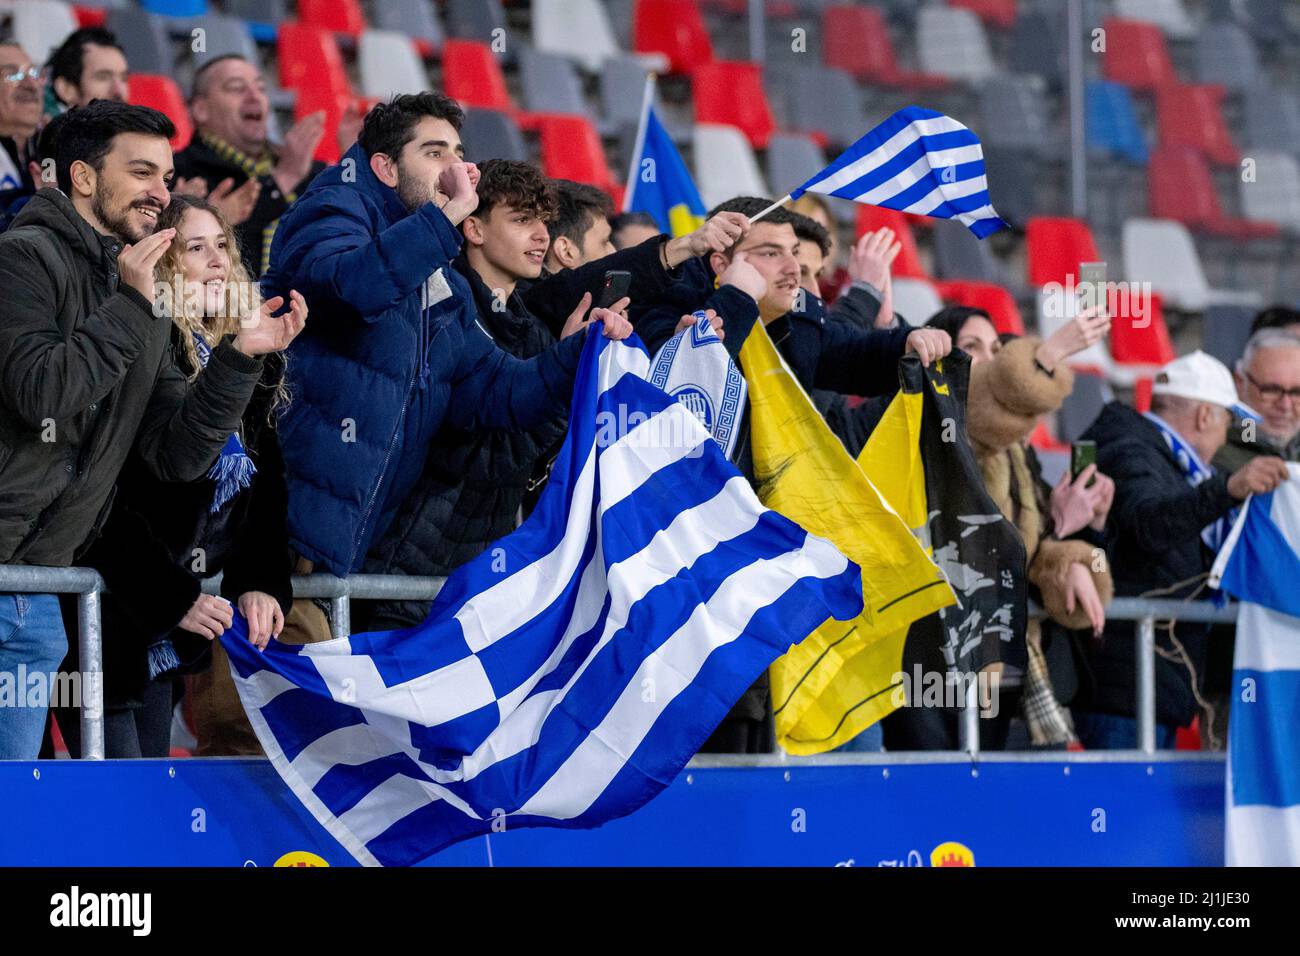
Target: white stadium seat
(952, 43)
(916, 300)
(1273, 195)
(389, 63)
(580, 30)
(39, 26)
(725, 165)
(1161, 252)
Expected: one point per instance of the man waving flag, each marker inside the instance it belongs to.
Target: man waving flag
(566, 675)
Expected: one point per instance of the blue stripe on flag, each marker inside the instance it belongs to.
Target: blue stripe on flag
(1262, 739)
(1263, 564)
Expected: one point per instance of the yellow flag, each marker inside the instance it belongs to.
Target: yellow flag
(840, 679)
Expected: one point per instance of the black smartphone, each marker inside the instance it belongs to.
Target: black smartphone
(613, 288)
(1082, 454)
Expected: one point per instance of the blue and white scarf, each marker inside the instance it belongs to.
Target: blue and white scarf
(233, 470)
(1196, 471)
(694, 368)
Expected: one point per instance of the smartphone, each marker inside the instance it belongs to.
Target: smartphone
(1092, 285)
(1082, 454)
(613, 288)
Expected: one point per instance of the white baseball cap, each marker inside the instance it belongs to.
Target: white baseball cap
(1201, 378)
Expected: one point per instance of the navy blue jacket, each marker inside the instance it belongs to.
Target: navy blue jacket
(392, 348)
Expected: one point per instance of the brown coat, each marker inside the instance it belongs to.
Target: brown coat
(1007, 396)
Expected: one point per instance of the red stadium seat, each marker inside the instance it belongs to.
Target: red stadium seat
(338, 16)
(310, 59)
(1042, 439)
(908, 264)
(674, 28)
(472, 76)
(1180, 187)
(162, 93)
(1142, 394)
(1192, 116)
(571, 149)
(989, 296)
(334, 103)
(856, 39)
(999, 13)
(1136, 55)
(1055, 246)
(1138, 333)
(730, 92)
(90, 16)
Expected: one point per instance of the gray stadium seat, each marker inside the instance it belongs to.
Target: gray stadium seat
(1011, 175)
(1082, 405)
(488, 134)
(915, 300)
(388, 63)
(791, 159)
(1272, 119)
(579, 30)
(259, 11)
(144, 40)
(224, 35)
(622, 89)
(1224, 331)
(952, 43)
(416, 18)
(1225, 55)
(1035, 49)
(820, 98)
(39, 27)
(959, 255)
(1169, 15)
(1274, 193)
(474, 19)
(1014, 114)
(550, 83)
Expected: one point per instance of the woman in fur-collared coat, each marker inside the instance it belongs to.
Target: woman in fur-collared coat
(1013, 384)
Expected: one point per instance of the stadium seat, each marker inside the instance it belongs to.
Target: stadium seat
(856, 40)
(1272, 119)
(1191, 116)
(1012, 176)
(1034, 48)
(1273, 193)
(475, 20)
(93, 16)
(39, 26)
(1225, 56)
(1081, 407)
(821, 101)
(144, 40)
(1138, 334)
(1267, 21)
(488, 134)
(549, 83)
(870, 218)
(1180, 187)
(915, 300)
(416, 18)
(1170, 16)
(791, 159)
(674, 28)
(725, 165)
(310, 59)
(1054, 248)
(472, 76)
(332, 103)
(224, 35)
(388, 63)
(176, 8)
(571, 149)
(1161, 252)
(730, 92)
(997, 13)
(262, 16)
(959, 255)
(1225, 329)
(162, 93)
(952, 43)
(1113, 124)
(1013, 114)
(1136, 55)
(579, 30)
(622, 91)
(989, 296)
(337, 16)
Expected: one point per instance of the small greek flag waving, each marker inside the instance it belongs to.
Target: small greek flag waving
(566, 675)
(916, 161)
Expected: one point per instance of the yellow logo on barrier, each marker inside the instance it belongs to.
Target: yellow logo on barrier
(300, 858)
(951, 854)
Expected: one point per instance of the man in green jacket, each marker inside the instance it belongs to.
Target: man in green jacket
(1268, 380)
(86, 373)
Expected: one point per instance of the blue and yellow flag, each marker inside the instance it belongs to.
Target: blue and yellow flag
(659, 182)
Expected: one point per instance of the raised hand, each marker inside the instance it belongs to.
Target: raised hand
(135, 263)
(615, 316)
(236, 204)
(195, 186)
(742, 274)
(261, 332)
(872, 257)
(929, 344)
(1084, 330)
(718, 234)
(459, 183)
(297, 150)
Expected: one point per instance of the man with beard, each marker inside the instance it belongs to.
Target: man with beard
(89, 65)
(394, 347)
(86, 372)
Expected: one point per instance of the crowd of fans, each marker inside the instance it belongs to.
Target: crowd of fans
(235, 360)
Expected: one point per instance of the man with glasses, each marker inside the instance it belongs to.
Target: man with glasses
(21, 92)
(1268, 380)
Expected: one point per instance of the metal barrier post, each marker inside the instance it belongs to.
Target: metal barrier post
(968, 732)
(340, 615)
(90, 651)
(1146, 684)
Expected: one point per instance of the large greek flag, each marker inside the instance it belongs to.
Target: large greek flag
(916, 161)
(566, 675)
(1260, 566)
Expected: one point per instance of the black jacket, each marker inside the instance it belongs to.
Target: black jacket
(86, 375)
(254, 233)
(1154, 532)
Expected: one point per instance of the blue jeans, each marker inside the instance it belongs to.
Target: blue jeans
(871, 740)
(1111, 732)
(32, 642)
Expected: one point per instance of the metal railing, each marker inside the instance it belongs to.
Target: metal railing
(88, 586)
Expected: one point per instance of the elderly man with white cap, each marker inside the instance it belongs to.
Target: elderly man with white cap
(1170, 515)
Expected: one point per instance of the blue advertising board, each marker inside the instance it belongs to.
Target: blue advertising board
(870, 812)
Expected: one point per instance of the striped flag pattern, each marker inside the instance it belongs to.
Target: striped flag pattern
(565, 676)
(916, 161)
